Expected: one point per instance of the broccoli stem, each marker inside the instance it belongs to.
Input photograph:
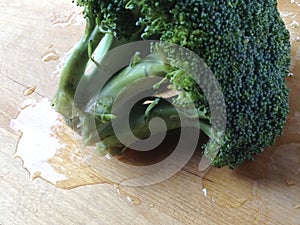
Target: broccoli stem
(74, 68)
(118, 86)
(151, 66)
(139, 124)
(84, 65)
(121, 83)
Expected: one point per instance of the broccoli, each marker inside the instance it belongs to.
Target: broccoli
(244, 43)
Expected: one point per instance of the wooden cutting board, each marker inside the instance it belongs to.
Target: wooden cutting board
(34, 37)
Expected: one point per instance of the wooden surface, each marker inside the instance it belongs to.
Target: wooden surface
(266, 191)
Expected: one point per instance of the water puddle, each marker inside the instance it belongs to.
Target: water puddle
(70, 18)
(51, 151)
(48, 148)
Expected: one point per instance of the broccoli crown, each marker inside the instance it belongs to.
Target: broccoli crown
(244, 43)
(112, 16)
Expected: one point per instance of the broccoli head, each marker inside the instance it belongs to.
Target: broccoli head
(244, 43)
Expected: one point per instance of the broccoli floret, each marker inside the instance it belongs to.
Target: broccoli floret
(244, 43)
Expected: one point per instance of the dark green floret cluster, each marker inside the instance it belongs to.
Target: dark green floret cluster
(244, 43)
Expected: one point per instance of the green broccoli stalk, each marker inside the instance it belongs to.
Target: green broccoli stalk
(244, 43)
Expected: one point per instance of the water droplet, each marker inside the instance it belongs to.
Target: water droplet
(50, 56)
(35, 175)
(294, 24)
(204, 190)
(290, 182)
(226, 188)
(29, 91)
(296, 206)
(130, 198)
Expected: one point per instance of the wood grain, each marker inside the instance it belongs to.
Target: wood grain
(258, 192)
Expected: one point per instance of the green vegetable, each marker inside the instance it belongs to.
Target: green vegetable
(244, 43)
